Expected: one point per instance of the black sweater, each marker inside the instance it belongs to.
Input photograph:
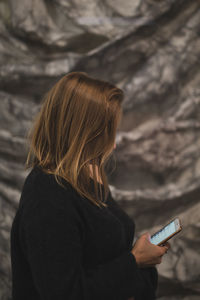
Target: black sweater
(63, 247)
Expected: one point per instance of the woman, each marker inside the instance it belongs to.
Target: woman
(70, 239)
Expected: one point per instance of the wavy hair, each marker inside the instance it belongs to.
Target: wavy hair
(76, 127)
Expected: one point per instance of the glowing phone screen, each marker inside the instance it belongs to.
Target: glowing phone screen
(163, 233)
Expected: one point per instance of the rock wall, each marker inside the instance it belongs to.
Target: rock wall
(150, 49)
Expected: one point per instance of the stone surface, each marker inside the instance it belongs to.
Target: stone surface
(151, 49)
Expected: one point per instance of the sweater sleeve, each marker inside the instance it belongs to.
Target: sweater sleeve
(150, 277)
(52, 239)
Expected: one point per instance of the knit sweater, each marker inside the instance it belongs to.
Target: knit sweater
(64, 247)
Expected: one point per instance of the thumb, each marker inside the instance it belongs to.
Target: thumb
(148, 236)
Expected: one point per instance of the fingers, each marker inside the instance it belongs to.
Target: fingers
(164, 248)
(161, 250)
(159, 260)
(167, 244)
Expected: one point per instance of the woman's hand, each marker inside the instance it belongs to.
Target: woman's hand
(148, 254)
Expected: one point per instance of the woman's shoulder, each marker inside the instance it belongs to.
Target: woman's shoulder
(42, 187)
(40, 179)
(43, 202)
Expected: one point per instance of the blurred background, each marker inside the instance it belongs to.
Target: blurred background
(150, 49)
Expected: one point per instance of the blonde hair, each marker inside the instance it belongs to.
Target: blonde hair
(76, 126)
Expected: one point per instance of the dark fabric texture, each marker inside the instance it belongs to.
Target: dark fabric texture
(64, 247)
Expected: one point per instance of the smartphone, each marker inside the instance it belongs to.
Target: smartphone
(167, 232)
